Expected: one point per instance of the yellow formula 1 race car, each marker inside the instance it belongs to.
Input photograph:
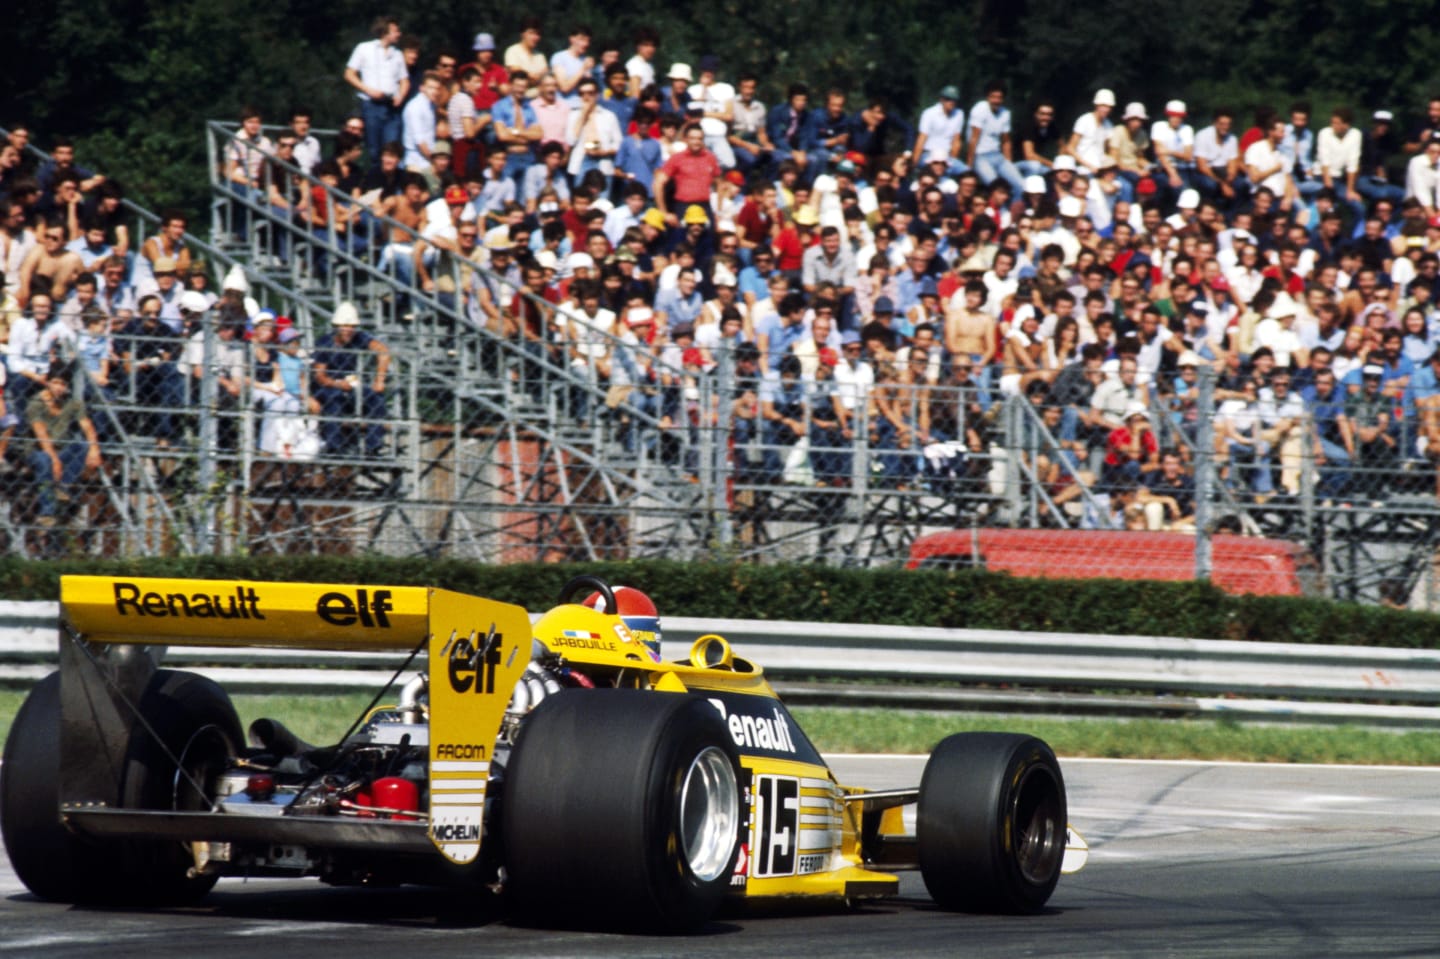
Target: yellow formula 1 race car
(562, 766)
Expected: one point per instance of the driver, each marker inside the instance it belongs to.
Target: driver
(638, 613)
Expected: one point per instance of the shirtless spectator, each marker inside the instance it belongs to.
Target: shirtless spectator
(169, 243)
(970, 331)
(407, 209)
(49, 268)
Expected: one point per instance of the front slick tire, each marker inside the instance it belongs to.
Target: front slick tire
(991, 822)
(621, 810)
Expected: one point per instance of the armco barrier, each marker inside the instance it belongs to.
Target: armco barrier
(919, 668)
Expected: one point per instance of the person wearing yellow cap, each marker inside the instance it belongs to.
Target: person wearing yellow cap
(795, 239)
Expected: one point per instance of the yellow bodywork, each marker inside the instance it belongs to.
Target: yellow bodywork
(802, 839)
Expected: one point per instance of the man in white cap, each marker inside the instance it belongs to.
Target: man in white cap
(1061, 232)
(1091, 131)
(631, 360)
(579, 265)
(1034, 189)
(1126, 145)
(1174, 142)
(193, 305)
(1131, 448)
(350, 368)
(1277, 331)
(674, 95)
(1371, 417)
(1379, 145)
(1185, 207)
(727, 295)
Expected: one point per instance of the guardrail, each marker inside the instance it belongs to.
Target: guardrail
(919, 668)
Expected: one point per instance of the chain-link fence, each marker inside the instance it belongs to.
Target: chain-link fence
(306, 440)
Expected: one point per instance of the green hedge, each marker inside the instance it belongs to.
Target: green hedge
(973, 599)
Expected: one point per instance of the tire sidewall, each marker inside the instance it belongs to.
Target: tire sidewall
(966, 828)
(693, 728)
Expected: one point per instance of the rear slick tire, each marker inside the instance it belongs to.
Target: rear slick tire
(197, 723)
(991, 823)
(621, 809)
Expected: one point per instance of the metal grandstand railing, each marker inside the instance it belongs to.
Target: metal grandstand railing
(530, 397)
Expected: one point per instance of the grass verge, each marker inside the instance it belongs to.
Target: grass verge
(323, 719)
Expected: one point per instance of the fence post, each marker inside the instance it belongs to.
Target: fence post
(1204, 471)
(209, 433)
(1309, 475)
(1011, 417)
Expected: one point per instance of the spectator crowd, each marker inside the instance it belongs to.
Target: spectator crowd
(821, 275)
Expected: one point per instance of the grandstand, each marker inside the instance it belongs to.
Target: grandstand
(489, 445)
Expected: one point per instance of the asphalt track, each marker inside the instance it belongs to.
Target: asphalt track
(1188, 859)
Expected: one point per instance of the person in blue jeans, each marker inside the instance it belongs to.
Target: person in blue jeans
(58, 457)
(1333, 435)
(341, 387)
(148, 348)
(782, 408)
(376, 69)
(988, 144)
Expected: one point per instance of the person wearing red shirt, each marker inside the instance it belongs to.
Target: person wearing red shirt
(693, 172)
(1284, 271)
(792, 242)
(494, 78)
(755, 223)
(1130, 449)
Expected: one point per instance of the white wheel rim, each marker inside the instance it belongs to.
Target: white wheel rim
(709, 814)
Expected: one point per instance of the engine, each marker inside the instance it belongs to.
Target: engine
(379, 771)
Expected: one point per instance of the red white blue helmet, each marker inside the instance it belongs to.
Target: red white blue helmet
(638, 613)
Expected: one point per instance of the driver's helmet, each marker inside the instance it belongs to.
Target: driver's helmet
(639, 614)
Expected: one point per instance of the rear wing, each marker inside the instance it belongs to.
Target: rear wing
(114, 628)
